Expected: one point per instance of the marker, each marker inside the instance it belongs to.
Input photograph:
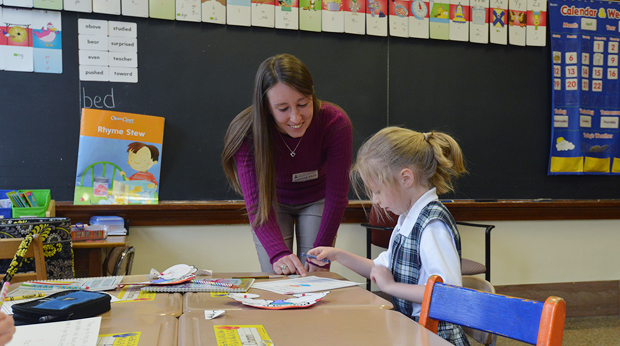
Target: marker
(3, 292)
(314, 257)
(259, 276)
(47, 318)
(28, 296)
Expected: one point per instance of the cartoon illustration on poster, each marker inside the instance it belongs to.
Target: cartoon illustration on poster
(119, 158)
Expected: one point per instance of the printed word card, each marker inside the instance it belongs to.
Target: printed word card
(108, 51)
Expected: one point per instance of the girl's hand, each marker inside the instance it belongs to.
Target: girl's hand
(7, 328)
(382, 276)
(322, 252)
(288, 265)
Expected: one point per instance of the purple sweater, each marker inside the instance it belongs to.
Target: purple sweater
(327, 148)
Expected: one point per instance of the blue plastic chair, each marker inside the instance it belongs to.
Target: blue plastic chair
(528, 321)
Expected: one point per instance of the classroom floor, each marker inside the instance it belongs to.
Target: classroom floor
(581, 331)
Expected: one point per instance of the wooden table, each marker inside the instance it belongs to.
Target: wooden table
(349, 297)
(300, 327)
(88, 255)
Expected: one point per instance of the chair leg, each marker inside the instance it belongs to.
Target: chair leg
(368, 253)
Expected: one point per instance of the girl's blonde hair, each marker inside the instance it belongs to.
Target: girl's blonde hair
(257, 122)
(434, 157)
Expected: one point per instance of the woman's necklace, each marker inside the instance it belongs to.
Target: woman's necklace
(289, 148)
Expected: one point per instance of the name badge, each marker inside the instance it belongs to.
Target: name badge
(305, 176)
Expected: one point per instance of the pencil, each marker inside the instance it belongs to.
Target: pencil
(28, 296)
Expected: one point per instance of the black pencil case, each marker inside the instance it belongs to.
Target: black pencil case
(62, 306)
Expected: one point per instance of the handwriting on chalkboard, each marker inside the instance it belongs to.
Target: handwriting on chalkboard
(97, 101)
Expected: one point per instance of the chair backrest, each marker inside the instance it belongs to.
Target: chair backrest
(119, 261)
(485, 286)
(381, 224)
(8, 248)
(529, 321)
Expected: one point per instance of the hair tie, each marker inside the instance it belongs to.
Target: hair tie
(427, 135)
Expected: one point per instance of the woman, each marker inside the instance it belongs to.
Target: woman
(289, 154)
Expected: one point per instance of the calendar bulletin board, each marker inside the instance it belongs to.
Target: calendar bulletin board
(585, 42)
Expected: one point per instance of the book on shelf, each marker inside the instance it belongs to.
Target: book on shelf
(208, 285)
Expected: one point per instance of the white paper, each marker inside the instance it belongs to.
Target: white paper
(517, 20)
(18, 53)
(47, 41)
(376, 25)
(19, 3)
(287, 14)
(536, 34)
(499, 21)
(398, 18)
(78, 6)
(135, 8)
(93, 42)
(263, 14)
(303, 285)
(82, 332)
(479, 25)
(214, 11)
(459, 21)
(123, 74)
(332, 16)
(122, 29)
(355, 17)
(238, 12)
(418, 19)
(92, 27)
(107, 6)
(188, 10)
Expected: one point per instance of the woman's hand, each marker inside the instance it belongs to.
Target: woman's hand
(288, 265)
(7, 328)
(382, 276)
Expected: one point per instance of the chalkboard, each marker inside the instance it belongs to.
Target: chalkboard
(494, 99)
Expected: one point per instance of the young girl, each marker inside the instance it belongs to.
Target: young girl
(403, 171)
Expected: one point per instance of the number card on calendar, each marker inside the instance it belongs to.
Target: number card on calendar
(354, 16)
(459, 20)
(499, 22)
(585, 44)
(419, 19)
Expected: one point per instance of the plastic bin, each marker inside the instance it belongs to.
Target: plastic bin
(43, 199)
(5, 213)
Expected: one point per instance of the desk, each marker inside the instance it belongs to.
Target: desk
(88, 255)
(349, 297)
(154, 330)
(300, 327)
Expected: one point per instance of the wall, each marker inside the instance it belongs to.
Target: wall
(524, 252)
